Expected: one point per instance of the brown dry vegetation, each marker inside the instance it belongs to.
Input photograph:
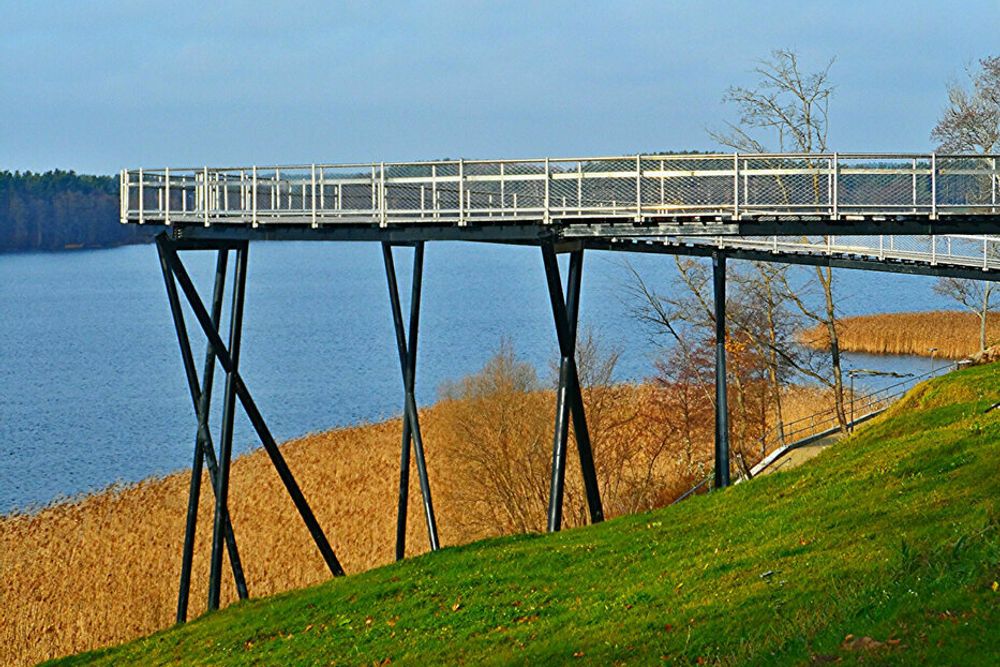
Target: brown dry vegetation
(955, 334)
(104, 569)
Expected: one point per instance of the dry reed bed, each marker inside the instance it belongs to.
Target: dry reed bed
(955, 334)
(104, 569)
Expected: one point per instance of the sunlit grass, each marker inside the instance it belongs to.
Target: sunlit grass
(883, 550)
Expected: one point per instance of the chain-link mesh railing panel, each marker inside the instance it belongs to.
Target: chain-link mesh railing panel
(346, 192)
(407, 191)
(482, 186)
(608, 186)
(522, 188)
(786, 184)
(565, 188)
(693, 184)
(966, 181)
(890, 184)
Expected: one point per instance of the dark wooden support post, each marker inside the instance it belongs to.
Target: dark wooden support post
(407, 348)
(569, 398)
(721, 402)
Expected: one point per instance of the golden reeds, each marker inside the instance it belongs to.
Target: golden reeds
(104, 569)
(950, 334)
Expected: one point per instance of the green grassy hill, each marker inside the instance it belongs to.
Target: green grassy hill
(885, 549)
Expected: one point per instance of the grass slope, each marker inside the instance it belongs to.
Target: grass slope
(892, 537)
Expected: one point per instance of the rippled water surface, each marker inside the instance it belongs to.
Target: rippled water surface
(92, 390)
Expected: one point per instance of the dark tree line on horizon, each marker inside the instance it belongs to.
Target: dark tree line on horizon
(59, 209)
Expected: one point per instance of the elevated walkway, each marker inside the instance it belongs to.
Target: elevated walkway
(900, 212)
(592, 197)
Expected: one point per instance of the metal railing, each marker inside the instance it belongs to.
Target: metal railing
(839, 186)
(824, 423)
(859, 407)
(972, 251)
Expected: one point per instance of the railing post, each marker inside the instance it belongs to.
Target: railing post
(836, 186)
(205, 198)
(933, 186)
(374, 202)
(253, 199)
(123, 188)
(638, 188)
(313, 196)
(382, 218)
(461, 193)
(166, 196)
(141, 203)
(736, 186)
(545, 213)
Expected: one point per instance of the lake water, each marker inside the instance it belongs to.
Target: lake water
(92, 390)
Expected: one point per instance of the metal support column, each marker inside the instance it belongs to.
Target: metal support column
(174, 270)
(228, 416)
(204, 452)
(721, 403)
(569, 399)
(407, 348)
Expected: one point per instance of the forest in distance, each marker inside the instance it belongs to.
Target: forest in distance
(59, 210)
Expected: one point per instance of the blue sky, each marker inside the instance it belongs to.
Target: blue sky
(96, 86)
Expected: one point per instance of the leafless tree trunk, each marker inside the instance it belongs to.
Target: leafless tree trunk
(792, 107)
(825, 276)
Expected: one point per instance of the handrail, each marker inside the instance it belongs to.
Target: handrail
(880, 397)
(733, 186)
(958, 250)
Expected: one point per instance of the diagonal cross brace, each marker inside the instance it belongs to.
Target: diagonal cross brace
(411, 424)
(204, 452)
(176, 268)
(569, 399)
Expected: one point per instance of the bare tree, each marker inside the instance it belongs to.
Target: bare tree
(686, 315)
(971, 121)
(791, 107)
(974, 295)
(971, 124)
